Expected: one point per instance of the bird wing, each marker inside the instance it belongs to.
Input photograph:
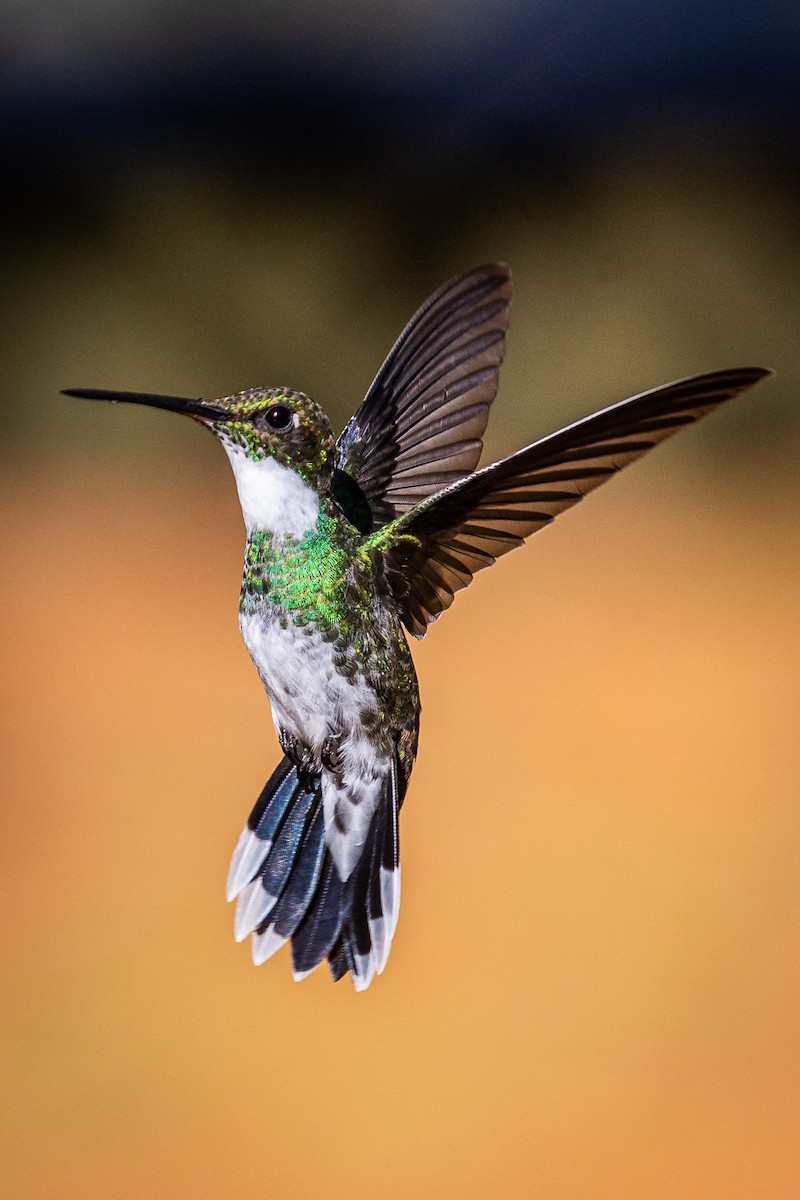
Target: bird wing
(420, 425)
(433, 550)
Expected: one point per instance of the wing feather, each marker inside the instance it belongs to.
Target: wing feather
(437, 546)
(421, 424)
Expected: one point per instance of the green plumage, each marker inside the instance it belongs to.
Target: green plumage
(331, 582)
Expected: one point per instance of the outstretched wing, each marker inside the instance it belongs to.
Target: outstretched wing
(436, 548)
(420, 425)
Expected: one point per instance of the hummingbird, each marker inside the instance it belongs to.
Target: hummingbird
(354, 543)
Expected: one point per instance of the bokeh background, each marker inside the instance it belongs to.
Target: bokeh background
(595, 982)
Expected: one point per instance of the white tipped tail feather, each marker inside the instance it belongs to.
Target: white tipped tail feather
(290, 887)
(247, 858)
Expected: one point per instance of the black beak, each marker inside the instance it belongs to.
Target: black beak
(192, 408)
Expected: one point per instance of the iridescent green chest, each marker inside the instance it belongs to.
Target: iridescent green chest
(304, 579)
(326, 583)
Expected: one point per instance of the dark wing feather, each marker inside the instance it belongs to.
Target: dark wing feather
(420, 425)
(436, 548)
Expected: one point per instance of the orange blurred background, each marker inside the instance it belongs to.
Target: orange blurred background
(595, 983)
(594, 986)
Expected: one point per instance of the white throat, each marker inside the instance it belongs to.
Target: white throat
(274, 498)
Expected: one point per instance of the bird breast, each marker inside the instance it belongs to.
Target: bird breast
(310, 696)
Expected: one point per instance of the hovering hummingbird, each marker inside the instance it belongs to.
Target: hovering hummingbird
(350, 542)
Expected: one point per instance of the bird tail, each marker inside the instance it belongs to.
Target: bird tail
(289, 888)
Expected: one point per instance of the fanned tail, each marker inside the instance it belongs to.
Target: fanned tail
(289, 888)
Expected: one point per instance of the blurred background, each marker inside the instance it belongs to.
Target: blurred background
(594, 987)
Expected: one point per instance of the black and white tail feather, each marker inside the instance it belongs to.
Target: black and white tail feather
(289, 888)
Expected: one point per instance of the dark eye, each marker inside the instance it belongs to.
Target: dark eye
(278, 417)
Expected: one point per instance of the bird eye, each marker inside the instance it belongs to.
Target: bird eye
(278, 417)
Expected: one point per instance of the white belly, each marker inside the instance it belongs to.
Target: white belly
(313, 701)
(308, 696)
